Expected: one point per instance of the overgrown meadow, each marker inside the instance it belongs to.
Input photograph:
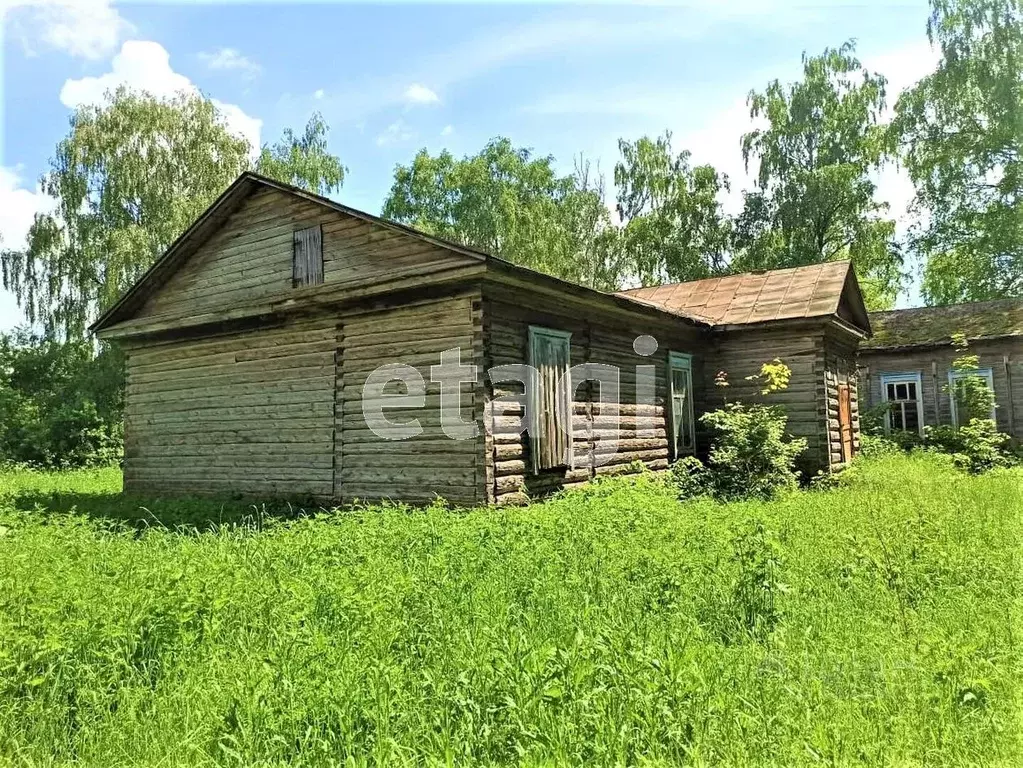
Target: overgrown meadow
(876, 623)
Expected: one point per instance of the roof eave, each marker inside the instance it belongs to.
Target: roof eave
(497, 266)
(933, 343)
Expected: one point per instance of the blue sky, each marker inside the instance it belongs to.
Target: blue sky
(390, 79)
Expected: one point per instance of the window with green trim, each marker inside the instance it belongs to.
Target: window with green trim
(550, 399)
(680, 386)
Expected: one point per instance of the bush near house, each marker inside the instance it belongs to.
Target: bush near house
(751, 456)
(873, 624)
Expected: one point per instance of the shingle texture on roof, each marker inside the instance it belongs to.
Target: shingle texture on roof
(754, 297)
(935, 325)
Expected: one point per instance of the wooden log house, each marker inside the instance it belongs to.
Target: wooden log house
(908, 364)
(254, 347)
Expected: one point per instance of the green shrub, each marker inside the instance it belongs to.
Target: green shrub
(879, 445)
(750, 455)
(976, 446)
(60, 404)
(691, 478)
(872, 420)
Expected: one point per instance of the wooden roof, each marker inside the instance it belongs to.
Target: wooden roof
(933, 326)
(816, 290)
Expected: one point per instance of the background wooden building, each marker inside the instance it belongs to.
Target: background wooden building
(812, 318)
(908, 362)
(249, 343)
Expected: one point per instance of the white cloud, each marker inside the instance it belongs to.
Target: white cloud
(904, 66)
(447, 130)
(318, 94)
(230, 59)
(88, 29)
(18, 207)
(397, 132)
(420, 94)
(145, 66)
(718, 142)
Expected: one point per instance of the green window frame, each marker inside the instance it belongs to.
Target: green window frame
(682, 412)
(550, 423)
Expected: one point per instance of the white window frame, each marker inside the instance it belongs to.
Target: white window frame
(903, 378)
(682, 361)
(954, 376)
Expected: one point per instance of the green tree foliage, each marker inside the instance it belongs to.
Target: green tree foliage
(60, 403)
(961, 134)
(129, 177)
(673, 228)
(511, 203)
(304, 161)
(814, 199)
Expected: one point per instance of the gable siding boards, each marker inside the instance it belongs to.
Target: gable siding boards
(250, 258)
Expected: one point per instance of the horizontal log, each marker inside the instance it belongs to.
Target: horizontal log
(240, 476)
(251, 489)
(251, 373)
(423, 462)
(285, 415)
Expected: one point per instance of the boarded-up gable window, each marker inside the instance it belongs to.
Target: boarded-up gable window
(550, 429)
(308, 257)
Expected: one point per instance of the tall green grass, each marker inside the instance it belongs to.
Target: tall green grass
(878, 623)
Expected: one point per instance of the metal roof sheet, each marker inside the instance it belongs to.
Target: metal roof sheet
(755, 297)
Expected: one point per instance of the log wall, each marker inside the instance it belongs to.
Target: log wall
(432, 463)
(248, 412)
(507, 317)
